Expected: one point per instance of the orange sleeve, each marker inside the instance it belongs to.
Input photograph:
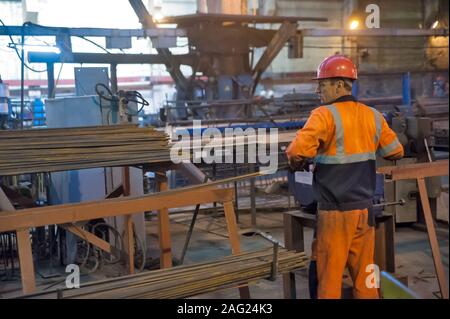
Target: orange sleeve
(389, 147)
(310, 137)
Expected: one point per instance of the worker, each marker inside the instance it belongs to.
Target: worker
(440, 87)
(343, 137)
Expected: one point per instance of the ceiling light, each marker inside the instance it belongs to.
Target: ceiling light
(354, 24)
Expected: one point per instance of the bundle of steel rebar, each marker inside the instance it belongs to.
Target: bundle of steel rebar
(434, 107)
(190, 280)
(49, 150)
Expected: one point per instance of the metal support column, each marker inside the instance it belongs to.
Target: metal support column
(355, 88)
(22, 81)
(114, 85)
(406, 89)
(236, 192)
(253, 196)
(50, 80)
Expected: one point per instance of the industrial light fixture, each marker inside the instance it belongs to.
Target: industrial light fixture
(435, 24)
(354, 24)
(158, 17)
(355, 19)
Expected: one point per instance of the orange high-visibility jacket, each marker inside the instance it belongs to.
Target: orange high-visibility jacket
(344, 139)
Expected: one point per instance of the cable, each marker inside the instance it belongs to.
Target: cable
(140, 244)
(139, 100)
(371, 47)
(55, 283)
(57, 78)
(118, 239)
(40, 40)
(96, 250)
(79, 36)
(84, 261)
(47, 28)
(94, 43)
(14, 46)
(101, 94)
(129, 96)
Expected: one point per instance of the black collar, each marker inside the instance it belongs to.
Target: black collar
(345, 98)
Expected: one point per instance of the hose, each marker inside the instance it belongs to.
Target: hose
(118, 239)
(127, 96)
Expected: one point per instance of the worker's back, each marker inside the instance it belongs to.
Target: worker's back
(344, 138)
(352, 132)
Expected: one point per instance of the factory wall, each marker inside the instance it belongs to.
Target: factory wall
(409, 53)
(437, 54)
(315, 49)
(383, 55)
(380, 54)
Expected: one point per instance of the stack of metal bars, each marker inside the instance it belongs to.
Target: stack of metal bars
(50, 150)
(189, 280)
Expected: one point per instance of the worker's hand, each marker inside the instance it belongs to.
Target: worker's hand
(297, 163)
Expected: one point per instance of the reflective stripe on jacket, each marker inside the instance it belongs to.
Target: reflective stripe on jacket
(344, 138)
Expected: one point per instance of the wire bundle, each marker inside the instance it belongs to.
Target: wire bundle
(186, 281)
(50, 150)
(127, 96)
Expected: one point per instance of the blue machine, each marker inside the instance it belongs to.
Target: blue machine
(38, 110)
(225, 88)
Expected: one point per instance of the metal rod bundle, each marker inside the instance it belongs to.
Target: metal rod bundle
(190, 280)
(49, 150)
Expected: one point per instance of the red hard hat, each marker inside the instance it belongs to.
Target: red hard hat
(337, 66)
